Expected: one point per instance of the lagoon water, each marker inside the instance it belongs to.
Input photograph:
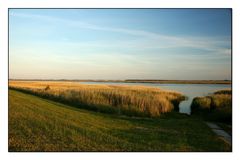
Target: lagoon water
(189, 90)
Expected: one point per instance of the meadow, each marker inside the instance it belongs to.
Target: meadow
(123, 100)
(40, 124)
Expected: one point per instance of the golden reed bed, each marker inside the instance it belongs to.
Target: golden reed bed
(120, 99)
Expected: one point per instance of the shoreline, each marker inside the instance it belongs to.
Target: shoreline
(136, 81)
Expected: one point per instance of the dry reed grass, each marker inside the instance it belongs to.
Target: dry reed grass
(217, 106)
(127, 100)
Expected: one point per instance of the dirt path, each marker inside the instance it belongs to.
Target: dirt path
(220, 132)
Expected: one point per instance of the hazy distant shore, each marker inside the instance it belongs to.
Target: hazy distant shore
(137, 81)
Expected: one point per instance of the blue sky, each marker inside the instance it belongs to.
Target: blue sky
(120, 43)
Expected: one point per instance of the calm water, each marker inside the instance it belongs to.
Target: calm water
(189, 90)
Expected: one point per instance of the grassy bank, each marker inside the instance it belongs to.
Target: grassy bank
(126, 100)
(37, 124)
(215, 107)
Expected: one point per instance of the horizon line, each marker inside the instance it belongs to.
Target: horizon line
(120, 79)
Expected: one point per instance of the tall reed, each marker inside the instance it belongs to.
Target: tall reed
(217, 106)
(127, 100)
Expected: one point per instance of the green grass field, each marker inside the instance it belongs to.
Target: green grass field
(37, 124)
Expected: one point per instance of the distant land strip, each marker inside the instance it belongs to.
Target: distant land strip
(136, 81)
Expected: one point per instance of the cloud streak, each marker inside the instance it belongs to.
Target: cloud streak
(145, 39)
(83, 46)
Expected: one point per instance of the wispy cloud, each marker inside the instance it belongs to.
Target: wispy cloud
(82, 46)
(145, 39)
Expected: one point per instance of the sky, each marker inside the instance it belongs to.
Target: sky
(177, 44)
